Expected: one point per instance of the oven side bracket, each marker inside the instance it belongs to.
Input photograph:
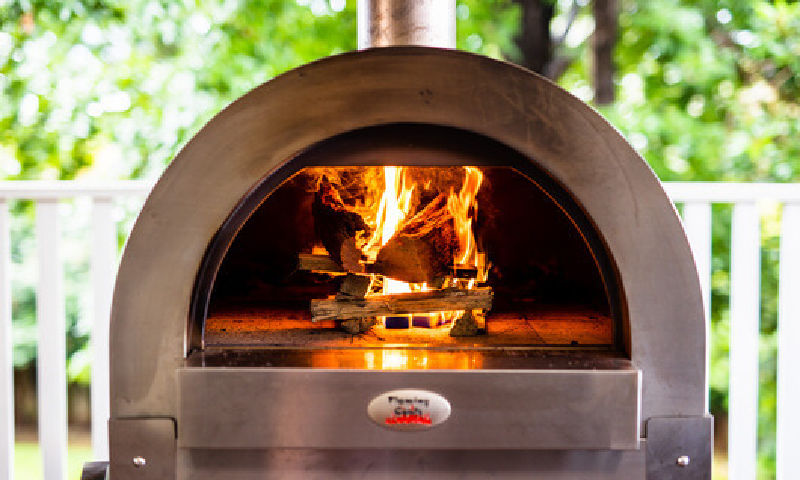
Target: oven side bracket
(679, 448)
(142, 448)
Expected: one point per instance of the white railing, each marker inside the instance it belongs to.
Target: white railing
(696, 199)
(745, 287)
(51, 323)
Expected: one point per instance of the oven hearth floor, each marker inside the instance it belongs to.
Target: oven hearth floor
(552, 326)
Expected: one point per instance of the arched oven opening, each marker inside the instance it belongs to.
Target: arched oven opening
(409, 246)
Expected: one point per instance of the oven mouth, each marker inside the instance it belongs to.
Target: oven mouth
(225, 321)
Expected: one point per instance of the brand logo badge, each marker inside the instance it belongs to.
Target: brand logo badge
(408, 409)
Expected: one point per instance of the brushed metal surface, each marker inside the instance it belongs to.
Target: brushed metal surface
(386, 23)
(679, 448)
(309, 408)
(258, 133)
(151, 439)
(303, 464)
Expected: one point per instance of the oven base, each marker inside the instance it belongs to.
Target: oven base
(675, 448)
(284, 464)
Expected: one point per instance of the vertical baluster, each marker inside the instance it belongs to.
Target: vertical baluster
(788, 416)
(744, 338)
(52, 362)
(6, 366)
(697, 222)
(104, 255)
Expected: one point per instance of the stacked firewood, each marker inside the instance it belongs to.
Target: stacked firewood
(421, 251)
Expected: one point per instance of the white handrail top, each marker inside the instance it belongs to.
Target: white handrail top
(732, 192)
(59, 189)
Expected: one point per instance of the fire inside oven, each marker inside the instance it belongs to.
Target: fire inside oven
(411, 248)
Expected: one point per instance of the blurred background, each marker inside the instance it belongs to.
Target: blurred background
(103, 90)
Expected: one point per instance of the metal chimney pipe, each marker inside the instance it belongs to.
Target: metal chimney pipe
(385, 23)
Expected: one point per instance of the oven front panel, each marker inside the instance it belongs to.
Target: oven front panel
(489, 409)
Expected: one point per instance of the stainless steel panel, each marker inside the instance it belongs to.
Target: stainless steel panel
(289, 464)
(679, 448)
(142, 448)
(499, 409)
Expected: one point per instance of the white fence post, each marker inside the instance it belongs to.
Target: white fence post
(788, 415)
(6, 346)
(103, 268)
(744, 341)
(697, 222)
(51, 363)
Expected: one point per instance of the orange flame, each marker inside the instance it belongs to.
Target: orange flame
(391, 195)
(392, 210)
(394, 207)
(463, 207)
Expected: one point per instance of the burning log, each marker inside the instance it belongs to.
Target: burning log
(318, 263)
(336, 225)
(423, 247)
(402, 303)
(353, 286)
(314, 262)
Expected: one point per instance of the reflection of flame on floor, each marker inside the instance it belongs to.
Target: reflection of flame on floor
(398, 359)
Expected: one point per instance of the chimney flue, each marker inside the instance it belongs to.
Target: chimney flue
(385, 23)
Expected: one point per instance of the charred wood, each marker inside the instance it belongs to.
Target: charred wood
(353, 286)
(336, 225)
(403, 303)
(314, 262)
(318, 263)
(423, 247)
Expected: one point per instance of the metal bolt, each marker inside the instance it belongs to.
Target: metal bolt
(683, 460)
(139, 462)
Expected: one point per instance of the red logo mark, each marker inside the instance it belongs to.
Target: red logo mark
(412, 419)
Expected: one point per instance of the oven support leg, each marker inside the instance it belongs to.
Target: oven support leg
(679, 448)
(95, 471)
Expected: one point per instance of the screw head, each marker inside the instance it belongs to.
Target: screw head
(683, 460)
(139, 462)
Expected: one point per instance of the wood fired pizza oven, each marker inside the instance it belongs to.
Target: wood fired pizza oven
(408, 262)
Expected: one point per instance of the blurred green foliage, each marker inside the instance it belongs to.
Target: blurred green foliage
(110, 89)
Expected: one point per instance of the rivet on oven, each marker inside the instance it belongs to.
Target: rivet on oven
(139, 462)
(683, 460)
